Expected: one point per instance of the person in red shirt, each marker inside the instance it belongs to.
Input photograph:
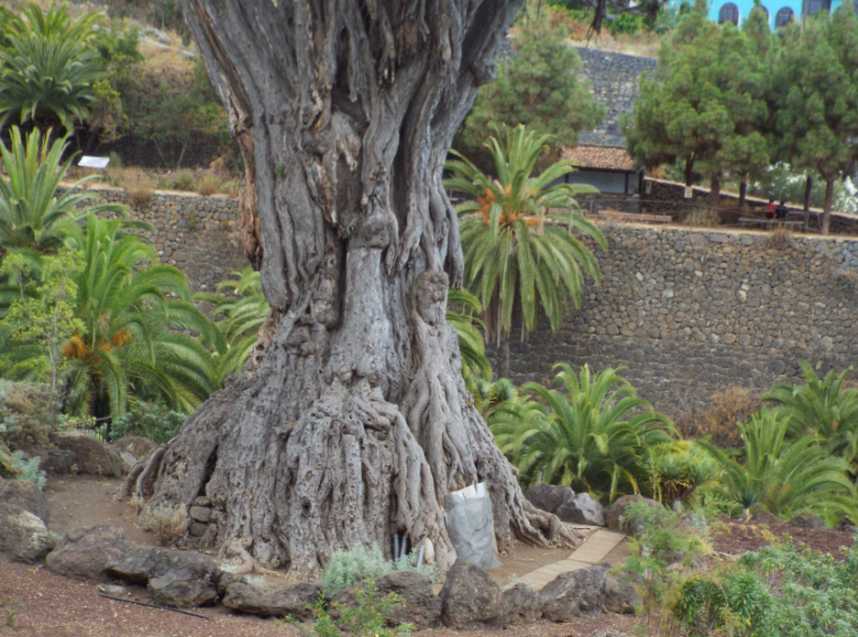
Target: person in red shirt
(771, 209)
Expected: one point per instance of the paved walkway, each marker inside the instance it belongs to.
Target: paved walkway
(594, 550)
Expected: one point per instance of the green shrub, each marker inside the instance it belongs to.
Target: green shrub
(738, 602)
(785, 477)
(678, 468)
(27, 413)
(367, 617)
(347, 568)
(150, 420)
(25, 468)
(626, 23)
(812, 594)
(592, 433)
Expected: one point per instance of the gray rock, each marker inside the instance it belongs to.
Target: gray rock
(521, 605)
(582, 509)
(420, 607)
(548, 497)
(469, 597)
(137, 446)
(178, 578)
(23, 535)
(201, 514)
(620, 596)
(176, 588)
(614, 513)
(270, 596)
(91, 457)
(808, 521)
(25, 495)
(84, 553)
(574, 594)
(197, 529)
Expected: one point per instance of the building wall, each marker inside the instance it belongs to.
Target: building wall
(688, 312)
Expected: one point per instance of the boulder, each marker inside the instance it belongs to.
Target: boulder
(23, 535)
(137, 446)
(53, 461)
(469, 597)
(85, 553)
(548, 497)
(808, 521)
(582, 509)
(270, 596)
(620, 596)
(574, 594)
(420, 607)
(521, 605)
(614, 513)
(91, 457)
(25, 495)
(177, 578)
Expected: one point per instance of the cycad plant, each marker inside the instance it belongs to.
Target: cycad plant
(823, 408)
(463, 309)
(590, 433)
(782, 476)
(48, 67)
(138, 328)
(239, 309)
(522, 234)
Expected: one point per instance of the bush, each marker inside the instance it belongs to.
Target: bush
(368, 617)
(720, 421)
(347, 568)
(626, 23)
(27, 413)
(738, 601)
(150, 420)
(208, 184)
(678, 468)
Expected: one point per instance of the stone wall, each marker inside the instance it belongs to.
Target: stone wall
(688, 312)
(195, 233)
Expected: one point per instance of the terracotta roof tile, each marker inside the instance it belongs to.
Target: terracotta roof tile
(599, 157)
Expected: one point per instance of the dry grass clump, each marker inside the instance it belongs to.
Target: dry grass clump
(168, 524)
(780, 239)
(136, 182)
(702, 218)
(208, 184)
(721, 418)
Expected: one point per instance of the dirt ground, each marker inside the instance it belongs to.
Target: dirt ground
(36, 603)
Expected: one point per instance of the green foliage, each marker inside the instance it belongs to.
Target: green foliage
(360, 564)
(822, 408)
(816, 76)
(593, 433)
(785, 477)
(626, 23)
(150, 420)
(136, 314)
(369, 616)
(463, 309)
(519, 233)
(24, 468)
(48, 66)
(541, 86)
(27, 413)
(240, 309)
(705, 105)
(33, 214)
(678, 468)
(813, 594)
(739, 603)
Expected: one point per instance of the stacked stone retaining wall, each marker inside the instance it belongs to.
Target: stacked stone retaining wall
(689, 312)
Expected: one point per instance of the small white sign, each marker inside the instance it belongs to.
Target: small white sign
(90, 161)
(689, 192)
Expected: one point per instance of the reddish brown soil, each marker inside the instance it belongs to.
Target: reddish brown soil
(36, 603)
(736, 537)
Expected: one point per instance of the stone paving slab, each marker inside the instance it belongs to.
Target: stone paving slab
(594, 550)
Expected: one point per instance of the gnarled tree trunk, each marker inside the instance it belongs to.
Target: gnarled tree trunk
(355, 423)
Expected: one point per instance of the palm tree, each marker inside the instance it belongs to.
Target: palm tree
(592, 433)
(48, 66)
(519, 235)
(34, 214)
(823, 408)
(138, 327)
(462, 310)
(785, 477)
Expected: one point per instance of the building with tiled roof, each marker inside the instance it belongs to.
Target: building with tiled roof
(600, 156)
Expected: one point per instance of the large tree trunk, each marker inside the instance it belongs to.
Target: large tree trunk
(715, 192)
(355, 423)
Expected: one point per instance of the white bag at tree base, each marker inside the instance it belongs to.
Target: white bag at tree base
(471, 526)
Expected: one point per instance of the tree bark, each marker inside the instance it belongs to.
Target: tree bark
(808, 191)
(715, 192)
(826, 210)
(355, 423)
(743, 192)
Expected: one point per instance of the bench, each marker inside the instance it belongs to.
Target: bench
(763, 222)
